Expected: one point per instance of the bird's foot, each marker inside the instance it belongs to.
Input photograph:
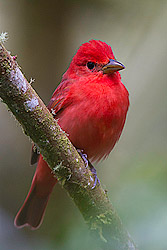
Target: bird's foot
(92, 168)
(84, 157)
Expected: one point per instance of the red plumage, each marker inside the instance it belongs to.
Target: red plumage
(91, 103)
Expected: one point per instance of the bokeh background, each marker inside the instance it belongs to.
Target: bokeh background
(45, 35)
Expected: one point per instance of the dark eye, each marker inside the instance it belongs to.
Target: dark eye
(90, 65)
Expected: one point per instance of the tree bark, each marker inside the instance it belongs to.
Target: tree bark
(62, 157)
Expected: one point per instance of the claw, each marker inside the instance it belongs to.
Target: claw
(93, 170)
(84, 157)
(88, 164)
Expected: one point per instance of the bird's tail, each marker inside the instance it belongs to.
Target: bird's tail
(32, 212)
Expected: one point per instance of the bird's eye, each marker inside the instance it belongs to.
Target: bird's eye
(90, 65)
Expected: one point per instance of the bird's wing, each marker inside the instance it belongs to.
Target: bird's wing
(56, 105)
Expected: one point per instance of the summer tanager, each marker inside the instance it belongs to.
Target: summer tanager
(90, 104)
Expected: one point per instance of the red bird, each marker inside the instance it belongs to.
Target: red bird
(90, 104)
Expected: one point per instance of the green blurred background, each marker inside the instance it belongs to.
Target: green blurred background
(45, 35)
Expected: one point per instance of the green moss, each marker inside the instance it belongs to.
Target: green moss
(97, 226)
(6, 65)
(60, 170)
(105, 218)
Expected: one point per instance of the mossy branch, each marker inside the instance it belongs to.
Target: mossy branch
(39, 124)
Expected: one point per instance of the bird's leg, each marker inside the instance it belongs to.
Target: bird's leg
(89, 164)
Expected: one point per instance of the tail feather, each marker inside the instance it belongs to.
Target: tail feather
(33, 210)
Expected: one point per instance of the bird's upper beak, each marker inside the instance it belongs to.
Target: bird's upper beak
(112, 67)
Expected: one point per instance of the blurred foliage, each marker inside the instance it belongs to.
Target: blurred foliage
(45, 35)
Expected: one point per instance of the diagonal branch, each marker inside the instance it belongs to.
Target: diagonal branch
(62, 157)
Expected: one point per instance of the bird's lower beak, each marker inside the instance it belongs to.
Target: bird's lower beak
(112, 67)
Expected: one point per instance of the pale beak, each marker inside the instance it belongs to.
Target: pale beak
(112, 67)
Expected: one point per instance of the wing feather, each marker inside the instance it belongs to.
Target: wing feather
(55, 106)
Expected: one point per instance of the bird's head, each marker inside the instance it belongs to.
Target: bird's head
(94, 58)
